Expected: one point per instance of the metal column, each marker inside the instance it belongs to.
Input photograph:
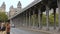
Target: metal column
(47, 17)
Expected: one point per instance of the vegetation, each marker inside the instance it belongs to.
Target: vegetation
(3, 17)
(51, 19)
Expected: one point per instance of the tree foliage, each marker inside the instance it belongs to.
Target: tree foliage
(51, 19)
(3, 17)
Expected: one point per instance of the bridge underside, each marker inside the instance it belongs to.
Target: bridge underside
(33, 17)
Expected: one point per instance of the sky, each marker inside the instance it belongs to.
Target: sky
(15, 2)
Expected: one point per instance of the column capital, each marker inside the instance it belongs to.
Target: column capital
(29, 12)
(39, 11)
(58, 0)
(26, 13)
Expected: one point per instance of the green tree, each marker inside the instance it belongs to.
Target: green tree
(44, 19)
(51, 19)
(3, 17)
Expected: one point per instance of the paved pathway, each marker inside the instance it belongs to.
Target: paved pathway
(20, 31)
(2, 32)
(51, 31)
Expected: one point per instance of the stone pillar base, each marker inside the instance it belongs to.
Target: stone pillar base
(54, 28)
(47, 29)
(40, 28)
(59, 29)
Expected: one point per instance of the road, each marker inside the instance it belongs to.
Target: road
(20, 31)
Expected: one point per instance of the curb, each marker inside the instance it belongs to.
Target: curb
(43, 31)
(47, 32)
(36, 30)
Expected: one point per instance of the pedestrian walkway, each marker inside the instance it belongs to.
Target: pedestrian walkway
(2, 32)
(42, 30)
(23, 31)
(11, 33)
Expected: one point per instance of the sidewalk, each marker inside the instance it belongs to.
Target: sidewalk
(44, 31)
(23, 31)
(11, 32)
(2, 32)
